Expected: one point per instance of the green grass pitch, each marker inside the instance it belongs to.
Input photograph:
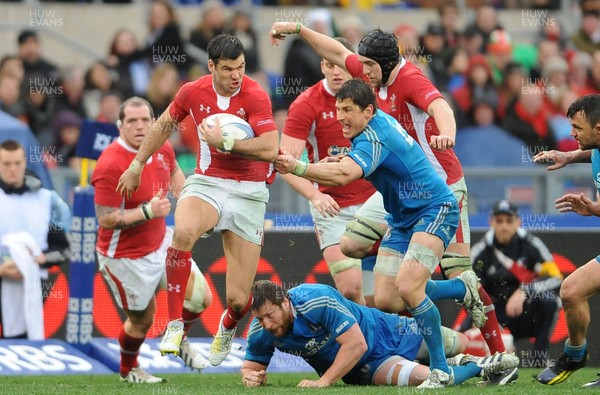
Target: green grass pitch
(281, 383)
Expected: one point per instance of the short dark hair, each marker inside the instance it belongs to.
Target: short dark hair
(11, 145)
(25, 35)
(589, 105)
(264, 291)
(224, 46)
(359, 92)
(134, 101)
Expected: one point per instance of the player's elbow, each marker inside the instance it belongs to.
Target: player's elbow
(270, 155)
(360, 348)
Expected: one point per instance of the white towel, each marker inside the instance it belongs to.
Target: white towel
(22, 305)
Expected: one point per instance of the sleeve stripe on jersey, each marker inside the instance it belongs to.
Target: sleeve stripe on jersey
(374, 138)
(439, 219)
(254, 328)
(543, 250)
(322, 302)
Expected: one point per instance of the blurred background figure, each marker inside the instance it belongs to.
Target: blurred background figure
(242, 28)
(164, 84)
(352, 28)
(98, 81)
(302, 65)
(66, 126)
(212, 23)
(30, 53)
(587, 38)
(125, 59)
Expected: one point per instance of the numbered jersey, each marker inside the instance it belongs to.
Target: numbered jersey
(399, 170)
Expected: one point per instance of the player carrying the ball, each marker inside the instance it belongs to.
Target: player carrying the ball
(227, 192)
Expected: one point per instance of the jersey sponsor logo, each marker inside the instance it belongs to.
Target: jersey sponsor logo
(204, 108)
(174, 288)
(335, 150)
(393, 107)
(361, 160)
(313, 346)
(327, 115)
(341, 326)
(264, 122)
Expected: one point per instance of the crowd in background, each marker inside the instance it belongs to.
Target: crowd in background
(491, 80)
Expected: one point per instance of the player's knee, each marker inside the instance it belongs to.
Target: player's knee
(353, 248)
(386, 304)
(406, 286)
(352, 292)
(184, 238)
(237, 299)
(570, 293)
(142, 323)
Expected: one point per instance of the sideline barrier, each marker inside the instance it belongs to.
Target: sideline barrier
(48, 357)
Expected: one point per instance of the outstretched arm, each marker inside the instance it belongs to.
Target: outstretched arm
(352, 347)
(332, 173)
(561, 159)
(327, 47)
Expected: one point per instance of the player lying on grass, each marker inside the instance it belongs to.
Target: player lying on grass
(344, 340)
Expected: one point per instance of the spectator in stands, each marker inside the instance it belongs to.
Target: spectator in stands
(33, 231)
(164, 84)
(164, 44)
(432, 43)
(241, 27)
(12, 65)
(522, 278)
(212, 23)
(98, 80)
(70, 96)
(456, 62)
(592, 85)
(483, 111)
(109, 107)
(125, 59)
(10, 91)
(472, 41)
(581, 67)
(486, 21)
(478, 85)
(553, 30)
(561, 125)
(30, 52)
(66, 126)
(587, 39)
(499, 50)
(555, 74)
(410, 47)
(40, 108)
(352, 28)
(448, 13)
(302, 65)
(510, 89)
(527, 119)
(547, 50)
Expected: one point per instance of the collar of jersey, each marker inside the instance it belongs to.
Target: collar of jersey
(129, 148)
(326, 87)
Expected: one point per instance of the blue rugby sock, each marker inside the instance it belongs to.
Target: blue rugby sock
(576, 353)
(429, 323)
(465, 372)
(445, 289)
(368, 262)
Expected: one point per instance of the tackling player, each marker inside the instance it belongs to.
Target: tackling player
(311, 123)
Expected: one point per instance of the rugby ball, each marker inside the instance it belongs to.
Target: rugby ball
(232, 125)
